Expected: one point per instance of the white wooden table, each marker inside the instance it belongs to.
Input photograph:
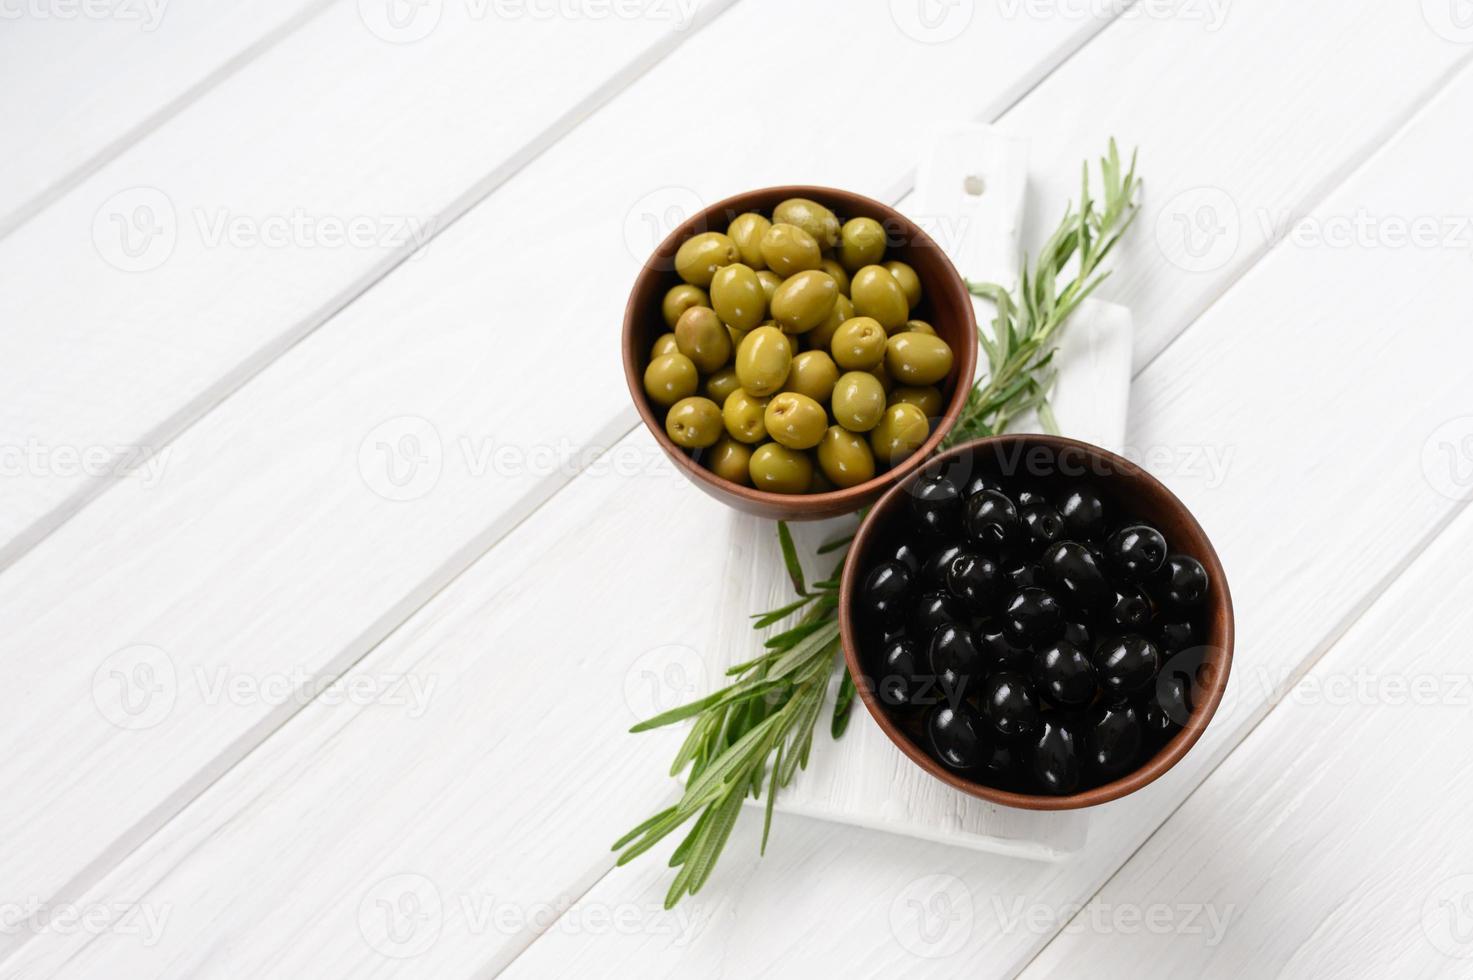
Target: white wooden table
(321, 622)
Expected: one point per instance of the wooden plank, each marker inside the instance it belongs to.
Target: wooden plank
(97, 77)
(1246, 116)
(1298, 855)
(295, 546)
(450, 791)
(185, 265)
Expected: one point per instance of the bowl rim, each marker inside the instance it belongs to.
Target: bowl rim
(1221, 609)
(833, 501)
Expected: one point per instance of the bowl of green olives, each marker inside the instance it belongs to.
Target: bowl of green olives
(797, 350)
(1037, 622)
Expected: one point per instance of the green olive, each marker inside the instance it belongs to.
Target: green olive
(813, 374)
(669, 378)
(737, 296)
(720, 385)
(812, 217)
(861, 243)
(747, 231)
(804, 301)
(918, 326)
(883, 377)
(744, 416)
(821, 483)
(664, 344)
(730, 460)
(789, 249)
(679, 299)
(917, 358)
(859, 344)
(901, 431)
(770, 281)
(763, 360)
(821, 337)
(837, 273)
(876, 294)
(703, 338)
(910, 283)
(858, 401)
(780, 470)
(737, 336)
(694, 423)
(795, 420)
(845, 458)
(698, 257)
(927, 399)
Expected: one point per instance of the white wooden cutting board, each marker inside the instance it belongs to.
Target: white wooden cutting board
(969, 196)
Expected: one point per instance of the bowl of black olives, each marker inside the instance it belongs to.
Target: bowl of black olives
(797, 350)
(1037, 622)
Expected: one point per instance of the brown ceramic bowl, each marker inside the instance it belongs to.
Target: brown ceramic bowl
(1050, 461)
(945, 304)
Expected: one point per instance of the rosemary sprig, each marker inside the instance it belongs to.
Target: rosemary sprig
(758, 730)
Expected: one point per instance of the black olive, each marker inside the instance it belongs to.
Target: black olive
(975, 580)
(1042, 525)
(934, 610)
(976, 484)
(954, 650)
(1053, 757)
(1009, 705)
(1027, 498)
(1025, 575)
(1136, 551)
(1000, 651)
(906, 554)
(1032, 616)
(1081, 581)
(1064, 676)
(935, 505)
(1174, 637)
(958, 736)
(1113, 737)
(1131, 609)
(1083, 511)
(990, 519)
(1125, 663)
(1156, 724)
(1183, 581)
(898, 673)
(886, 593)
(1079, 635)
(934, 569)
(1173, 693)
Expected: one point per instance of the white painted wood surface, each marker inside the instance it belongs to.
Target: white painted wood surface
(277, 839)
(85, 81)
(284, 490)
